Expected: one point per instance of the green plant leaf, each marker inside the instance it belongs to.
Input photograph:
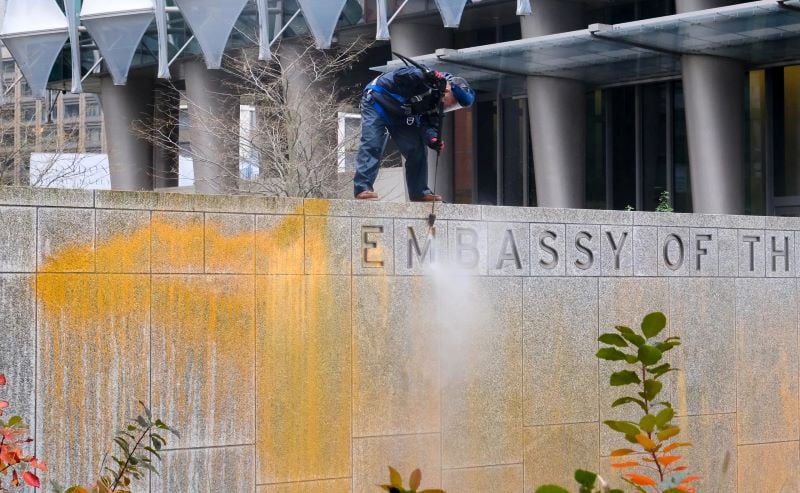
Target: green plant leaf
(627, 400)
(664, 417)
(657, 371)
(651, 389)
(653, 324)
(649, 355)
(610, 354)
(551, 488)
(624, 377)
(395, 478)
(613, 339)
(585, 478)
(668, 433)
(14, 421)
(667, 345)
(626, 427)
(630, 335)
(647, 423)
(632, 439)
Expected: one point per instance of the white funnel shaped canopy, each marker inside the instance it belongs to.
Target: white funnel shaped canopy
(451, 11)
(211, 22)
(322, 18)
(117, 39)
(34, 31)
(35, 56)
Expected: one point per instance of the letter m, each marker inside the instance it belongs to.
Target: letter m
(414, 251)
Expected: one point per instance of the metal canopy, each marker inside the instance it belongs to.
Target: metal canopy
(34, 40)
(451, 11)
(211, 22)
(322, 18)
(117, 27)
(759, 33)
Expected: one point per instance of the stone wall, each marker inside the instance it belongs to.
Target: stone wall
(306, 345)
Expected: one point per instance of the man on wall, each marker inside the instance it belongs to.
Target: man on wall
(408, 103)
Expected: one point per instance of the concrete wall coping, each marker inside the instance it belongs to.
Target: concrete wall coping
(255, 204)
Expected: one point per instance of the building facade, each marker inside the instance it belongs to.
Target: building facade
(581, 103)
(60, 124)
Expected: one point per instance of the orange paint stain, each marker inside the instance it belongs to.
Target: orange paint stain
(95, 344)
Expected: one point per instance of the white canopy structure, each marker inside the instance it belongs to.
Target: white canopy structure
(35, 30)
(117, 27)
(34, 40)
(451, 11)
(322, 18)
(212, 22)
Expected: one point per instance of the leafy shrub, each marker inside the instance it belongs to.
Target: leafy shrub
(137, 445)
(396, 483)
(653, 437)
(13, 461)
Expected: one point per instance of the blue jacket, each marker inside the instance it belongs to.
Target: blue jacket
(392, 90)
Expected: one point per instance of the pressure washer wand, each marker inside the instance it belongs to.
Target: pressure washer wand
(432, 215)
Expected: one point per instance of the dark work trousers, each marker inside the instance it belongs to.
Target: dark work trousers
(410, 139)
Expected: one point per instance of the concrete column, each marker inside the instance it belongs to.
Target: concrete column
(557, 114)
(713, 89)
(165, 119)
(421, 39)
(214, 129)
(130, 158)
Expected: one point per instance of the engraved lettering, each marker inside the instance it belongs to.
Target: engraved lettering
(699, 239)
(505, 254)
(752, 240)
(584, 264)
(553, 262)
(467, 243)
(413, 249)
(371, 253)
(617, 248)
(673, 238)
(780, 253)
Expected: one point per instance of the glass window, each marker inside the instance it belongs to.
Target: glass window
(755, 164)
(463, 156)
(622, 118)
(28, 113)
(93, 136)
(486, 118)
(681, 182)
(595, 152)
(9, 68)
(92, 109)
(786, 91)
(72, 111)
(654, 143)
(516, 149)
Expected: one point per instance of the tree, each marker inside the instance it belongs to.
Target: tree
(293, 147)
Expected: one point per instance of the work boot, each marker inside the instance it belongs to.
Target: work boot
(366, 195)
(428, 197)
